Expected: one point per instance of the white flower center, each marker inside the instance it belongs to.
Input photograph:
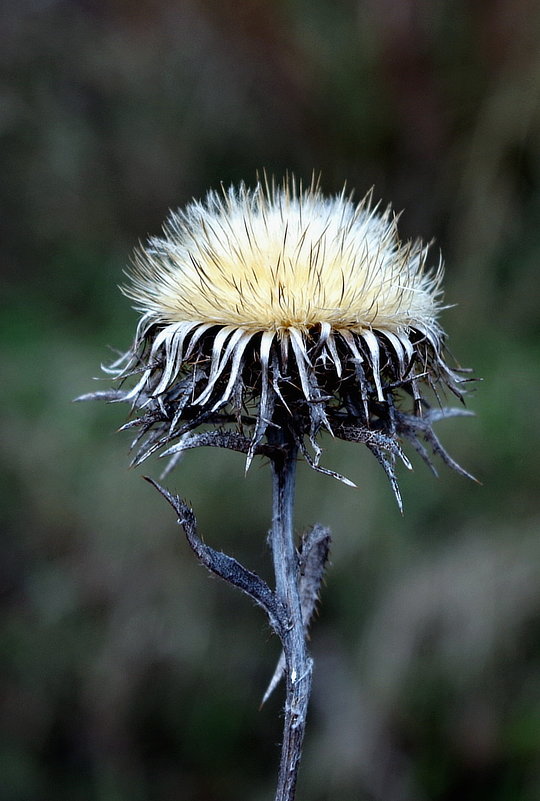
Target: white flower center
(273, 262)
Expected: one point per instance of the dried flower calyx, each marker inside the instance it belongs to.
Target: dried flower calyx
(275, 306)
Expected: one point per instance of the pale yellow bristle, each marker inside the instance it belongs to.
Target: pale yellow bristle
(276, 260)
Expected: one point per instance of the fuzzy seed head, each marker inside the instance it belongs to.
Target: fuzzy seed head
(272, 260)
(271, 308)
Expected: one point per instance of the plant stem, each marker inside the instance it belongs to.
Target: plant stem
(287, 574)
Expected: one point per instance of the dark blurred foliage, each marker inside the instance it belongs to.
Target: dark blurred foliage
(127, 673)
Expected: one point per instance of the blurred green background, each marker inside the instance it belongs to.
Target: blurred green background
(128, 674)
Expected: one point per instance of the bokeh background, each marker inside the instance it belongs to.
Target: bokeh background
(128, 674)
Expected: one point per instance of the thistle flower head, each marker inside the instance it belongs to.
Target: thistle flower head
(278, 307)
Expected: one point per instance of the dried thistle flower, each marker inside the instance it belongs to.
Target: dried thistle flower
(276, 307)
(269, 315)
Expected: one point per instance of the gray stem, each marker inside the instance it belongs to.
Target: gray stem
(287, 573)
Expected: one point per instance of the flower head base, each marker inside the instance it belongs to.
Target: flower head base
(272, 307)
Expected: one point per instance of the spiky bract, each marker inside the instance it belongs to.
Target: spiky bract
(273, 307)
